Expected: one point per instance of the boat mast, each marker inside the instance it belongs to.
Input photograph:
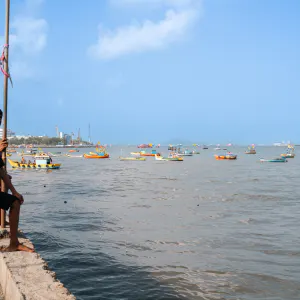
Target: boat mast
(5, 93)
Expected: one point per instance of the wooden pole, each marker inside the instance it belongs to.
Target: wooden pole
(5, 93)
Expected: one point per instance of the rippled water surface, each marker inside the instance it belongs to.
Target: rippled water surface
(200, 229)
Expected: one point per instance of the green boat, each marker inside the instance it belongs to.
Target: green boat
(169, 158)
(275, 160)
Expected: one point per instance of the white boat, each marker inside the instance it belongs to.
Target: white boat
(74, 156)
(185, 153)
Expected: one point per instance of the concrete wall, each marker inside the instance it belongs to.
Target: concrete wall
(26, 276)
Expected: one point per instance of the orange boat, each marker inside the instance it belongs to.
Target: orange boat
(226, 156)
(153, 153)
(149, 154)
(73, 150)
(96, 156)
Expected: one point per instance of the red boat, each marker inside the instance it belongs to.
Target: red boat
(145, 146)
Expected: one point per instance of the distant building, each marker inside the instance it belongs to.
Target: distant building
(61, 135)
(10, 133)
(68, 139)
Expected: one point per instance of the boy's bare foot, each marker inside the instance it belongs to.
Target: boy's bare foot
(19, 247)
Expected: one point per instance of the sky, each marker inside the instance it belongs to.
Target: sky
(155, 71)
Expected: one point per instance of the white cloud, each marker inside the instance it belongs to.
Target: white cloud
(148, 35)
(28, 37)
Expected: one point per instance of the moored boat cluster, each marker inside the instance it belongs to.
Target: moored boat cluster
(38, 159)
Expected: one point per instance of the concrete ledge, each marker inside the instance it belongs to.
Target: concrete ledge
(25, 276)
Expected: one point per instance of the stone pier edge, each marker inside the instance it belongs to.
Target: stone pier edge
(25, 276)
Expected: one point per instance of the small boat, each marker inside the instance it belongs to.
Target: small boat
(42, 161)
(275, 159)
(132, 158)
(289, 152)
(204, 147)
(135, 153)
(74, 156)
(73, 150)
(145, 146)
(96, 156)
(153, 153)
(196, 152)
(52, 154)
(173, 148)
(171, 157)
(251, 150)
(218, 148)
(26, 154)
(185, 153)
(99, 154)
(288, 155)
(228, 156)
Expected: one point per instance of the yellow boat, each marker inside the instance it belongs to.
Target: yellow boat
(96, 156)
(42, 161)
(99, 154)
(289, 152)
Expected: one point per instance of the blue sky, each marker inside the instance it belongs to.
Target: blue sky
(210, 71)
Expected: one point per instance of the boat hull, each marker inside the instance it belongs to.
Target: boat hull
(161, 158)
(89, 156)
(27, 154)
(135, 153)
(18, 165)
(273, 160)
(170, 159)
(288, 155)
(225, 157)
(132, 158)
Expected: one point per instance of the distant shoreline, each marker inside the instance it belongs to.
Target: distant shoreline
(47, 146)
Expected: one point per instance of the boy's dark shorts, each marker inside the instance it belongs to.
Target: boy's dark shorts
(6, 200)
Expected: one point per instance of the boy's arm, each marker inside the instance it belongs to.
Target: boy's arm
(6, 178)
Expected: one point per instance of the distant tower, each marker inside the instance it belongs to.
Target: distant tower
(57, 132)
(72, 140)
(90, 133)
(79, 135)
